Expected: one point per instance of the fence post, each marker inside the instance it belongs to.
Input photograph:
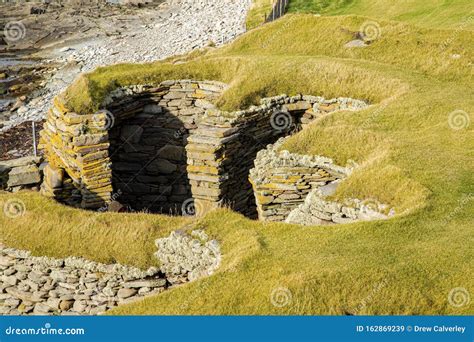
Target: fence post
(273, 11)
(35, 152)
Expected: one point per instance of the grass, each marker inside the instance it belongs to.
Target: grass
(258, 12)
(454, 14)
(410, 155)
(49, 228)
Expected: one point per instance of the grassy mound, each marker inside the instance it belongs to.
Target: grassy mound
(414, 147)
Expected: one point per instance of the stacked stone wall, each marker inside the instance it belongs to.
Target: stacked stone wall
(157, 147)
(32, 285)
(281, 180)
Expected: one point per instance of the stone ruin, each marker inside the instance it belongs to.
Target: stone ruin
(168, 149)
(31, 285)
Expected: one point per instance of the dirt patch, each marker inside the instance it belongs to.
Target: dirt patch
(18, 141)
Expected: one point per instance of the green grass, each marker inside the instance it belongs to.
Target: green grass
(258, 12)
(454, 14)
(409, 155)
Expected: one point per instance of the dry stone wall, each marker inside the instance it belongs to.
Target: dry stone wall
(317, 209)
(163, 148)
(295, 189)
(134, 147)
(282, 180)
(74, 286)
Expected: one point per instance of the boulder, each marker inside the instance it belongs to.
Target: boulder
(24, 175)
(53, 177)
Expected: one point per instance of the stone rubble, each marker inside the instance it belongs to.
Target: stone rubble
(318, 210)
(282, 180)
(186, 25)
(188, 257)
(74, 286)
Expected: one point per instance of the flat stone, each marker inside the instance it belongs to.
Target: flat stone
(172, 152)
(126, 293)
(161, 166)
(145, 283)
(79, 306)
(24, 175)
(356, 43)
(41, 308)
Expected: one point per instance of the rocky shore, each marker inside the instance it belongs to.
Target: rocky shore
(117, 35)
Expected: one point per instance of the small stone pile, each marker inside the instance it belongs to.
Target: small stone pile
(282, 180)
(17, 174)
(188, 257)
(295, 189)
(318, 210)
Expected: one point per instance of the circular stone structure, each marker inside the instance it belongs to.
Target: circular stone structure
(167, 148)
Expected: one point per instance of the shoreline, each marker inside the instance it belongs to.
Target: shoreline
(146, 36)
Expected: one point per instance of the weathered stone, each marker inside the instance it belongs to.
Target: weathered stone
(162, 166)
(126, 293)
(146, 283)
(24, 175)
(42, 309)
(131, 134)
(172, 152)
(66, 305)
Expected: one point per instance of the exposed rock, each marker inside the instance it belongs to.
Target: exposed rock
(356, 43)
(190, 257)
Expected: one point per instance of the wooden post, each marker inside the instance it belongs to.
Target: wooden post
(273, 11)
(35, 152)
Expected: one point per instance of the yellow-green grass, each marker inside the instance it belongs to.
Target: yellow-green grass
(46, 227)
(453, 14)
(410, 157)
(258, 12)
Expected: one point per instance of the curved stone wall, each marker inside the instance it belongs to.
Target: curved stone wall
(167, 148)
(294, 188)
